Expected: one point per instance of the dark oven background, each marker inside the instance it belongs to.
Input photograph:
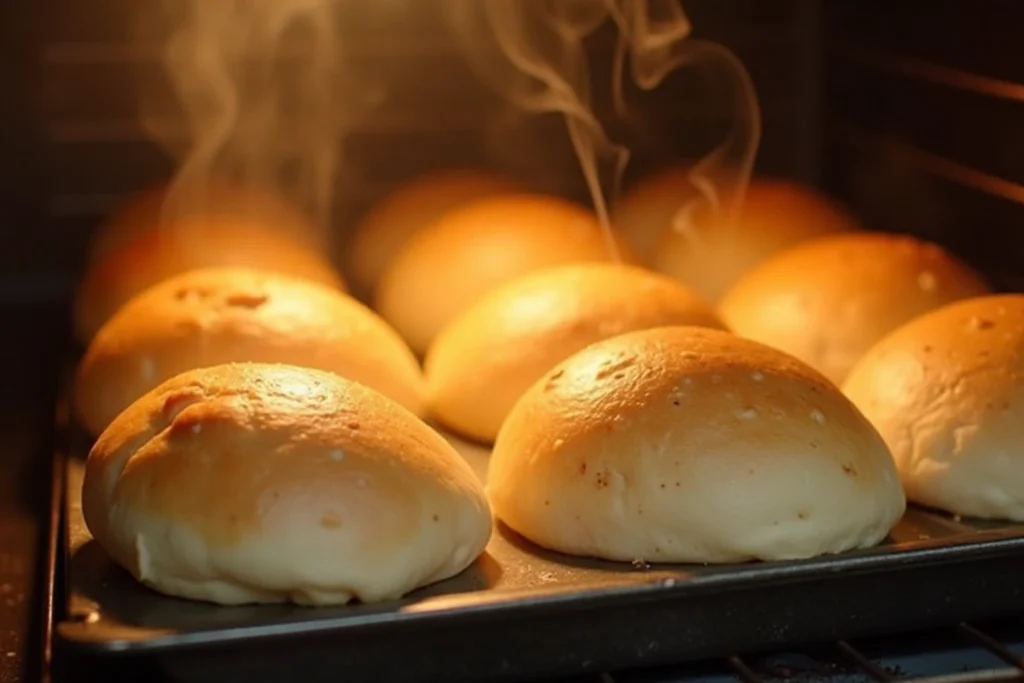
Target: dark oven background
(907, 110)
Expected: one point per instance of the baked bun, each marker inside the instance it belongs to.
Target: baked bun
(223, 315)
(488, 357)
(190, 243)
(709, 257)
(682, 444)
(444, 268)
(946, 391)
(216, 200)
(270, 483)
(828, 300)
(647, 208)
(388, 225)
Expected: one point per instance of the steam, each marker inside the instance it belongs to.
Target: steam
(533, 53)
(266, 93)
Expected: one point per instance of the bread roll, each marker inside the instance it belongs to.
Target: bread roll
(222, 315)
(682, 444)
(216, 200)
(481, 364)
(709, 257)
(270, 483)
(385, 229)
(190, 243)
(646, 209)
(946, 391)
(443, 269)
(828, 300)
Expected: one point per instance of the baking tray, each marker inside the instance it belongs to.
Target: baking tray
(521, 612)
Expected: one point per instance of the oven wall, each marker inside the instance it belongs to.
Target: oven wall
(924, 122)
(79, 148)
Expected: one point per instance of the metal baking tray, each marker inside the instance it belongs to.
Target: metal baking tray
(521, 612)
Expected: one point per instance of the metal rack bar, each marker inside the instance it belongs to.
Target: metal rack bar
(743, 671)
(855, 656)
(979, 637)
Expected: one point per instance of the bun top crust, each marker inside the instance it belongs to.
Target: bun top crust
(946, 391)
(189, 244)
(221, 315)
(691, 445)
(828, 300)
(490, 355)
(646, 210)
(383, 231)
(444, 268)
(776, 214)
(262, 483)
(216, 200)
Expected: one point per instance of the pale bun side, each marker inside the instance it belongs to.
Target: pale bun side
(190, 244)
(776, 214)
(946, 391)
(382, 232)
(215, 199)
(222, 315)
(691, 445)
(269, 483)
(444, 268)
(480, 364)
(828, 300)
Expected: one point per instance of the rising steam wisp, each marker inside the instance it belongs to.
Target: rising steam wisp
(533, 52)
(266, 93)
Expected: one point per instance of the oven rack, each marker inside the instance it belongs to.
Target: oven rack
(964, 654)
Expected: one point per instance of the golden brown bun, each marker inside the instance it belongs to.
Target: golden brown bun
(828, 300)
(481, 364)
(270, 483)
(776, 214)
(683, 444)
(469, 251)
(223, 315)
(385, 229)
(217, 200)
(184, 246)
(946, 391)
(644, 212)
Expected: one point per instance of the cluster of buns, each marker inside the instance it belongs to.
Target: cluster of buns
(262, 435)
(259, 430)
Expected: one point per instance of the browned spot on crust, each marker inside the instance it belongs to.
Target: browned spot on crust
(246, 299)
(330, 522)
(849, 470)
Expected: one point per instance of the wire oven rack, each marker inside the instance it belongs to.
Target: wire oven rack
(965, 654)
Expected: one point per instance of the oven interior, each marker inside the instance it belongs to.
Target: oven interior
(907, 112)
